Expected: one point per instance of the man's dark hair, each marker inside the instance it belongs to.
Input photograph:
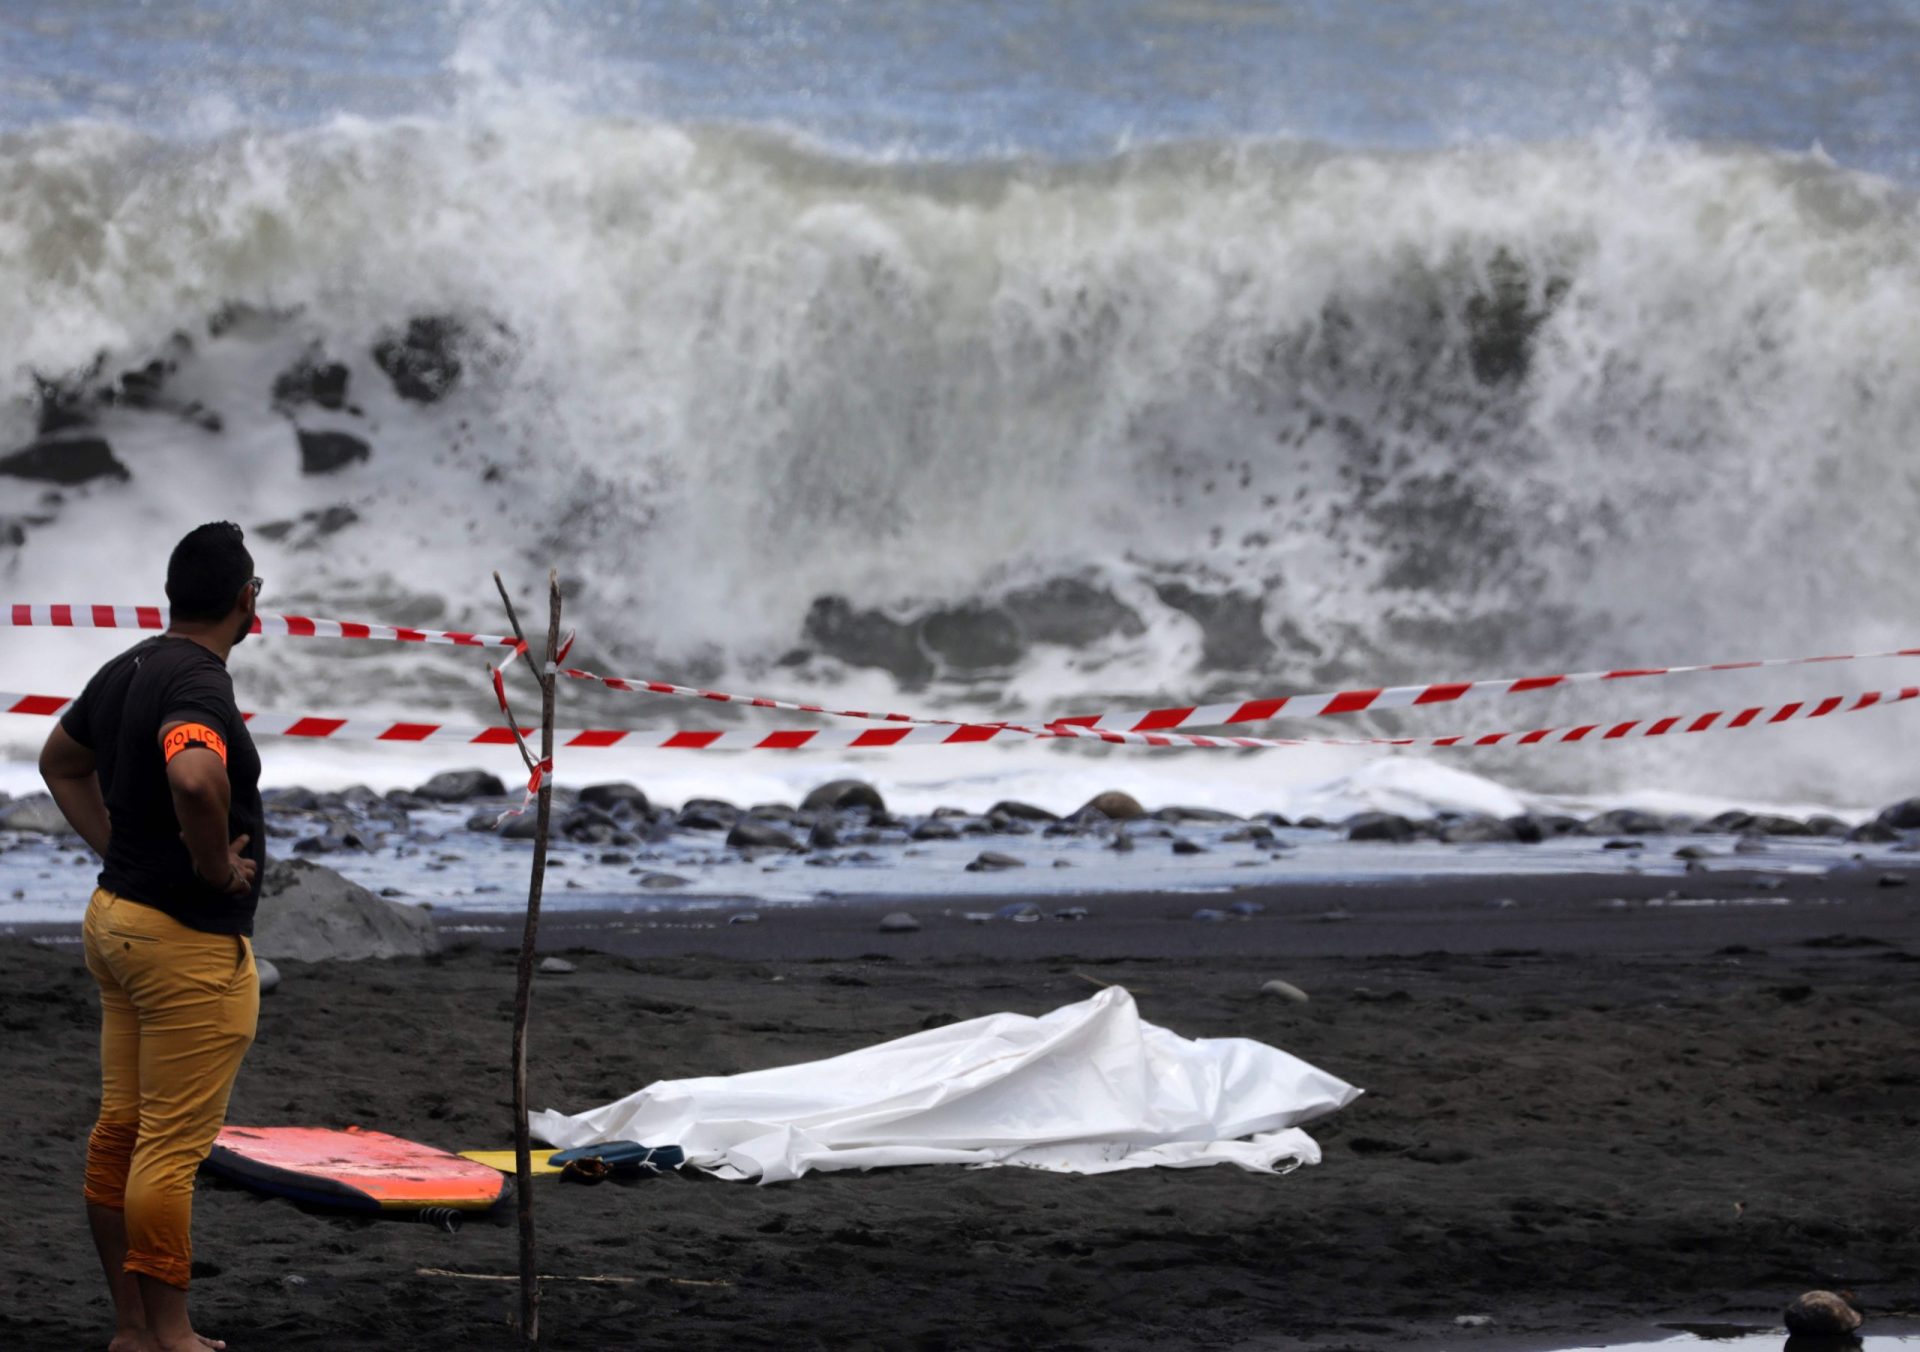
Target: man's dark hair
(208, 569)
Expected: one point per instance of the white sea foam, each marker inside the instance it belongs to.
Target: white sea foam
(1309, 418)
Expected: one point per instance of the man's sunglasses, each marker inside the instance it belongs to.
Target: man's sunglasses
(256, 584)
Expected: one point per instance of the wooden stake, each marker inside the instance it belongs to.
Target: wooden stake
(523, 988)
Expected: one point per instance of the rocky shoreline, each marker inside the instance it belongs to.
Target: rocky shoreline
(453, 843)
(851, 813)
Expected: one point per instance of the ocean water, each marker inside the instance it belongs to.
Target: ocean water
(1001, 360)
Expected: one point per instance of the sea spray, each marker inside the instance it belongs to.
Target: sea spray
(1007, 437)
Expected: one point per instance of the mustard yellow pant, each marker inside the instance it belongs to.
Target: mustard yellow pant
(178, 1009)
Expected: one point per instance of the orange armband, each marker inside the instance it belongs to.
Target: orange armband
(194, 734)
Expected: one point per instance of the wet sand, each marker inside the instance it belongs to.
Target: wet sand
(1593, 1110)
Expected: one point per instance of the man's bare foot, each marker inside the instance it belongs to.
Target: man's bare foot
(193, 1342)
(132, 1340)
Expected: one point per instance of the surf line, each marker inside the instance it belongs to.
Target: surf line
(955, 734)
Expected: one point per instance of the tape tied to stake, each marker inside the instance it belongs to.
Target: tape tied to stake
(499, 675)
(540, 771)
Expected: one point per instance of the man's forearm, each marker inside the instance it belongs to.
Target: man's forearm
(81, 803)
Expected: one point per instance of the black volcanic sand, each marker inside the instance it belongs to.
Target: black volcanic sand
(1581, 1119)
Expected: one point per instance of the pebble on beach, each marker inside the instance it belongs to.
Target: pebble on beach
(992, 861)
(898, 922)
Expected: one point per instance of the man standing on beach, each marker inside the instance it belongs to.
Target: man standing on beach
(154, 768)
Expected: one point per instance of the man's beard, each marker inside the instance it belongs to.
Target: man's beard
(246, 626)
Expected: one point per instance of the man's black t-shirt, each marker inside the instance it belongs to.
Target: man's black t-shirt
(119, 717)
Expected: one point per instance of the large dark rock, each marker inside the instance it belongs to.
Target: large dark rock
(332, 840)
(748, 834)
(309, 913)
(424, 362)
(1114, 806)
(323, 451)
(312, 380)
(841, 794)
(866, 638)
(1481, 831)
(291, 799)
(1900, 816)
(1381, 826)
(326, 521)
(1530, 828)
(144, 387)
(64, 403)
(589, 825)
(457, 786)
(972, 637)
(1072, 612)
(1626, 821)
(707, 814)
(1194, 814)
(611, 796)
(523, 825)
(1018, 811)
(38, 813)
(67, 458)
(314, 525)
(1233, 634)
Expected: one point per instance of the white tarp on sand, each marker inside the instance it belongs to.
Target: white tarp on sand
(1089, 1088)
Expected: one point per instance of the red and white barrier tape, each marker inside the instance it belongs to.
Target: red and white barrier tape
(290, 626)
(1718, 720)
(1134, 721)
(1253, 710)
(923, 734)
